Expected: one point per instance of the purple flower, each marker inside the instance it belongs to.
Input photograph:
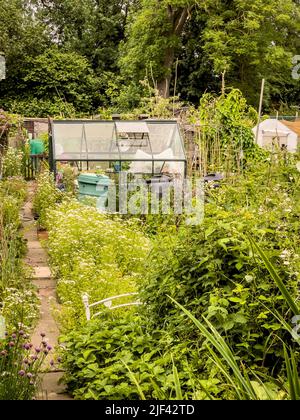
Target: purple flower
(38, 350)
(29, 375)
(59, 359)
(26, 361)
(33, 357)
(21, 333)
(14, 336)
(43, 335)
(45, 344)
(49, 348)
(46, 352)
(3, 353)
(31, 383)
(22, 372)
(11, 344)
(26, 346)
(52, 363)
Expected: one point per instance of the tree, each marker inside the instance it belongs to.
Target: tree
(237, 40)
(64, 76)
(253, 40)
(153, 38)
(21, 36)
(92, 28)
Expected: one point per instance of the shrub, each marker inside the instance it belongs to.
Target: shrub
(14, 186)
(92, 253)
(95, 357)
(42, 107)
(210, 269)
(12, 163)
(46, 196)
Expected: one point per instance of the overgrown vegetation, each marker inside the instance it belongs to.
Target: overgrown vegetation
(95, 55)
(212, 270)
(17, 297)
(92, 254)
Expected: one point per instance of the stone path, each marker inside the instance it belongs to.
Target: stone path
(37, 259)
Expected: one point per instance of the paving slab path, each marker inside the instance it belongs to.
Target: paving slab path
(41, 277)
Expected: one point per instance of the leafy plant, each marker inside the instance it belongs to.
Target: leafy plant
(12, 163)
(46, 196)
(209, 269)
(121, 359)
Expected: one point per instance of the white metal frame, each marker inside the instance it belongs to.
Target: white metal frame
(108, 303)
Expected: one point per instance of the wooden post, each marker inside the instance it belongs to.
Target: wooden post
(223, 82)
(260, 108)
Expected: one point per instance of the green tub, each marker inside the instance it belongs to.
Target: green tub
(94, 185)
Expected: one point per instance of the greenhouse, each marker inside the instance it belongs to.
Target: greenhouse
(149, 203)
(139, 147)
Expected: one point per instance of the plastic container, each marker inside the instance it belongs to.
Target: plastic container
(94, 185)
(37, 147)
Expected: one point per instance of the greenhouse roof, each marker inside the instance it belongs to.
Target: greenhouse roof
(93, 140)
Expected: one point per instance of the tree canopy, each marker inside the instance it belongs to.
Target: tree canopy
(93, 54)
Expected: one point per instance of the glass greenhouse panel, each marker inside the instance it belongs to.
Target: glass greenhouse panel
(67, 142)
(143, 146)
(166, 140)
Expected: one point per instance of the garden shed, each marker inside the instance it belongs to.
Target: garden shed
(36, 126)
(273, 133)
(141, 147)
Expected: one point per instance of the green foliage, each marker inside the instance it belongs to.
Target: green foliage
(65, 76)
(91, 28)
(18, 302)
(237, 376)
(225, 138)
(12, 163)
(210, 269)
(150, 49)
(245, 40)
(116, 48)
(120, 359)
(46, 197)
(20, 367)
(21, 36)
(68, 176)
(42, 107)
(91, 253)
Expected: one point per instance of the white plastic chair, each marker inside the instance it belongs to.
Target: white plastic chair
(108, 303)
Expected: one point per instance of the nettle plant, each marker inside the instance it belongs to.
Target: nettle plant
(106, 358)
(210, 269)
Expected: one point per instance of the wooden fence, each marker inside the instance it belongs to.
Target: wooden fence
(33, 166)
